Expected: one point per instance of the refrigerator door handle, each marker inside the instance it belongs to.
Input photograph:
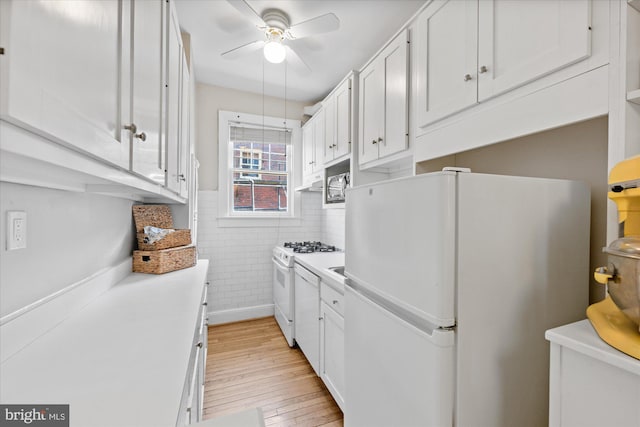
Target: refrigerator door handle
(438, 335)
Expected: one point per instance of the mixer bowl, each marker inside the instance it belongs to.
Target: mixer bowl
(623, 273)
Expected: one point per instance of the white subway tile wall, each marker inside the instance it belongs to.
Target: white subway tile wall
(240, 270)
(333, 227)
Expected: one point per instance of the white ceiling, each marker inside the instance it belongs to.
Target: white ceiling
(216, 26)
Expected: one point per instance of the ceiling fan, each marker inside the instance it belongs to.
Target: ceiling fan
(274, 23)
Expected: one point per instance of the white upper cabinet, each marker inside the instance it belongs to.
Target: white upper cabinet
(184, 151)
(174, 107)
(470, 51)
(313, 142)
(60, 73)
(148, 56)
(383, 103)
(337, 135)
(447, 34)
(522, 41)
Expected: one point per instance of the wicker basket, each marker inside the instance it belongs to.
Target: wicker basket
(158, 216)
(164, 260)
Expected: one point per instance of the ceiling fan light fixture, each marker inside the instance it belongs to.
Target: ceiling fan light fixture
(274, 51)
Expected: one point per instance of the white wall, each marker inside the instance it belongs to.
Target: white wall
(70, 236)
(240, 269)
(333, 227)
(210, 100)
(577, 151)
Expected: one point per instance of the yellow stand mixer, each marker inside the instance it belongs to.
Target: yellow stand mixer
(616, 319)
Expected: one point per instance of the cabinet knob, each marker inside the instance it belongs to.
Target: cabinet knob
(374, 141)
(467, 77)
(199, 344)
(182, 178)
(132, 128)
(141, 136)
(334, 302)
(483, 69)
(379, 139)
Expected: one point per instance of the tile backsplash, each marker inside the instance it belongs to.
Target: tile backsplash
(240, 269)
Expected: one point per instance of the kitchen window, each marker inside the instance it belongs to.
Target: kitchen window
(256, 176)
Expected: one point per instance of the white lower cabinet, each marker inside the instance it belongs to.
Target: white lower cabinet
(332, 342)
(192, 402)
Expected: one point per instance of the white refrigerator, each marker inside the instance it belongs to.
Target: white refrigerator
(452, 280)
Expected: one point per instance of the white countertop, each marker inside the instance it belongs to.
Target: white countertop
(581, 337)
(320, 262)
(121, 360)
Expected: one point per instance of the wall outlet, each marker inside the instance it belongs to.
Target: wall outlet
(16, 230)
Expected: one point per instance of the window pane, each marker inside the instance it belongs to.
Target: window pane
(260, 176)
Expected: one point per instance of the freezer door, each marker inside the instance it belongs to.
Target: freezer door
(400, 243)
(395, 374)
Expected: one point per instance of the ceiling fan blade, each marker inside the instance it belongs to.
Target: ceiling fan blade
(296, 62)
(243, 7)
(243, 50)
(318, 25)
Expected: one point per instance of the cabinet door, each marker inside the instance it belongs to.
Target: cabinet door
(343, 120)
(148, 112)
(329, 144)
(521, 41)
(446, 47)
(185, 129)
(307, 148)
(396, 97)
(318, 139)
(173, 105)
(332, 352)
(60, 72)
(371, 111)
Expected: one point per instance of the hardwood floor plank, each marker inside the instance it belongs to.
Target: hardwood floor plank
(249, 364)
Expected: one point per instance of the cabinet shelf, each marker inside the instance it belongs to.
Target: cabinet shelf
(634, 95)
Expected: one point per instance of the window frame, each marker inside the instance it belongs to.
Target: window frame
(226, 215)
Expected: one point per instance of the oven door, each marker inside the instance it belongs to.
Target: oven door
(283, 299)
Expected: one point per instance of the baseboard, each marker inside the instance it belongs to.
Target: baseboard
(238, 314)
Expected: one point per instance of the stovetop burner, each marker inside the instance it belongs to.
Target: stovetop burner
(309, 247)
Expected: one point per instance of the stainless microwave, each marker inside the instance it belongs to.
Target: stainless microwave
(337, 186)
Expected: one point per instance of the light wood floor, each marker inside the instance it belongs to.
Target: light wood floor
(250, 365)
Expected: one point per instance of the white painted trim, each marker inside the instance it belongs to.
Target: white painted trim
(21, 327)
(238, 314)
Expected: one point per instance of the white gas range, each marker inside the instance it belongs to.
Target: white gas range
(283, 282)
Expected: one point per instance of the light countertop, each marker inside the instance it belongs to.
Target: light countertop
(582, 338)
(320, 262)
(121, 360)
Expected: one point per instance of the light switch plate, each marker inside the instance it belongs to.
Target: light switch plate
(16, 230)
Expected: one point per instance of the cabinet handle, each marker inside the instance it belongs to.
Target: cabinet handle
(467, 77)
(320, 318)
(483, 69)
(205, 303)
(334, 302)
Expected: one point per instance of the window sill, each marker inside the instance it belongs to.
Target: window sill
(244, 221)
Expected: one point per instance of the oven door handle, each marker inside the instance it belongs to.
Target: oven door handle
(279, 265)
